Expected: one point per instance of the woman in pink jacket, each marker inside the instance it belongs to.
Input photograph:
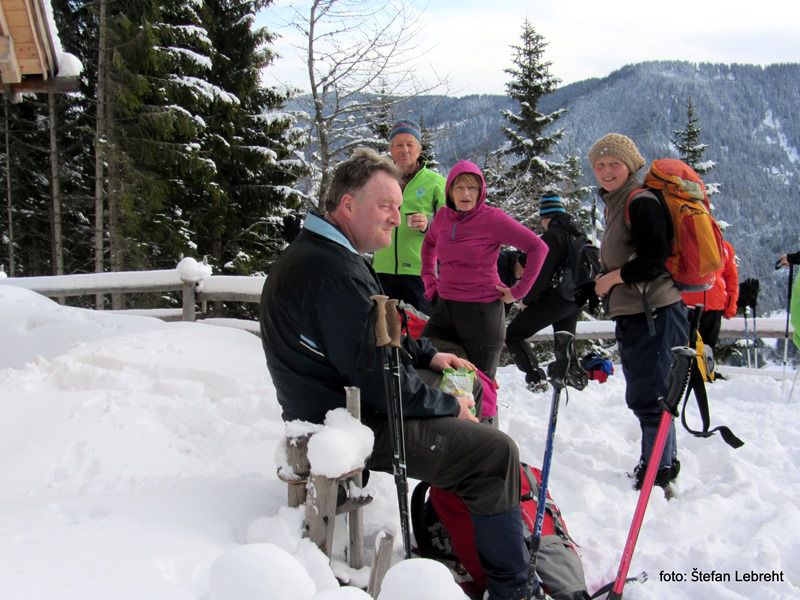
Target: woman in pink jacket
(465, 292)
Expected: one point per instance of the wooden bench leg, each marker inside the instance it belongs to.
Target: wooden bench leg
(380, 564)
(321, 511)
(355, 546)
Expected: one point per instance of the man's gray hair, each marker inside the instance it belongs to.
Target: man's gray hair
(352, 174)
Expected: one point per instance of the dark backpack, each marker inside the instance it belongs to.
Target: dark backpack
(576, 279)
(443, 531)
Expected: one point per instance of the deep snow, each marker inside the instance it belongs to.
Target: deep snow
(138, 461)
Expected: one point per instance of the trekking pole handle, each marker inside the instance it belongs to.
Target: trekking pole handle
(679, 378)
(382, 337)
(393, 325)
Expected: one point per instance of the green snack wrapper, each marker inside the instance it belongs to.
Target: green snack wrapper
(458, 382)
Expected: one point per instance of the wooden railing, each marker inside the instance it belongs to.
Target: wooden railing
(231, 288)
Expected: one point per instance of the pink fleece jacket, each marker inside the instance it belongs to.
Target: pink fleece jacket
(466, 246)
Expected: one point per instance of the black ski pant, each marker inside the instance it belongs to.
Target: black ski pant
(709, 327)
(551, 310)
(479, 327)
(478, 463)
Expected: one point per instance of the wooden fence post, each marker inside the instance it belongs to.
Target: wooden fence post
(189, 299)
(355, 522)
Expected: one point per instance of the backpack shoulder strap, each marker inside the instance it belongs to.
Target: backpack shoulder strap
(633, 194)
(654, 193)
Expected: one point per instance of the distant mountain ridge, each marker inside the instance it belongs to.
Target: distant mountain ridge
(750, 120)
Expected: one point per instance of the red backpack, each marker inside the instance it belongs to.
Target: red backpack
(443, 530)
(697, 250)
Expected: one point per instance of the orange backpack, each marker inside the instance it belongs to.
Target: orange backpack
(697, 251)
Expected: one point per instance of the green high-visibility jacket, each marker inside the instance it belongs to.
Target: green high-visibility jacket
(423, 194)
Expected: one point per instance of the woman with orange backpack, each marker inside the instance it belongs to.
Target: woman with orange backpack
(638, 292)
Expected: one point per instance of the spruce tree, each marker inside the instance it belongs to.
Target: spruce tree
(530, 172)
(252, 142)
(428, 152)
(691, 150)
(378, 123)
(157, 89)
(687, 142)
(26, 186)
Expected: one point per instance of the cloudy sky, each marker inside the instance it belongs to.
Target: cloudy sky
(468, 41)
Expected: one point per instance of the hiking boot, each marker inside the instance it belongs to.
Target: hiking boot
(538, 387)
(537, 381)
(664, 476)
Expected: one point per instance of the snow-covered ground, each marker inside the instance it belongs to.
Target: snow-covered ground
(137, 461)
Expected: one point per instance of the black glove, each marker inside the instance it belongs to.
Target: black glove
(748, 294)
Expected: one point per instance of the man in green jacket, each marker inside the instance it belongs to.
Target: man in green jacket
(398, 265)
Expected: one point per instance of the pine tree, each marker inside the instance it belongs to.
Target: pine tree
(76, 22)
(428, 152)
(159, 60)
(691, 150)
(27, 186)
(378, 123)
(574, 193)
(253, 144)
(493, 174)
(687, 141)
(530, 172)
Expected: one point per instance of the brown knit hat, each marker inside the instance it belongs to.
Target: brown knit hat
(619, 146)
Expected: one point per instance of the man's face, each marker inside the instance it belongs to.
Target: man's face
(373, 212)
(405, 150)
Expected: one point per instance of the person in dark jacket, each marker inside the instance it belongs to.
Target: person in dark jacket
(510, 266)
(317, 326)
(548, 302)
(789, 259)
(638, 292)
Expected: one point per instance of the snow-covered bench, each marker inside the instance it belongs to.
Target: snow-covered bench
(322, 466)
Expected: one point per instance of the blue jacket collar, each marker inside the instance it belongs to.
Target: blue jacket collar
(317, 224)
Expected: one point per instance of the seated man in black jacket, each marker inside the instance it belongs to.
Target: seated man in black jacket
(317, 322)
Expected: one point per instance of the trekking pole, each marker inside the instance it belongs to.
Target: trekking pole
(786, 332)
(794, 383)
(755, 340)
(387, 336)
(683, 358)
(747, 335)
(557, 373)
(754, 306)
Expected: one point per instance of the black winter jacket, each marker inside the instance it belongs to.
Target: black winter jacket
(557, 237)
(317, 329)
